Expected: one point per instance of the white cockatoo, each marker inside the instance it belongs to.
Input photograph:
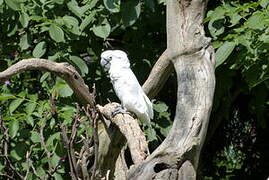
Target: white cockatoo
(126, 85)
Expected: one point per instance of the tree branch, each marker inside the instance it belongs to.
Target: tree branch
(158, 75)
(129, 127)
(63, 70)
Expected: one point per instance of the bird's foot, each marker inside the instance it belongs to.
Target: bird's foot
(120, 109)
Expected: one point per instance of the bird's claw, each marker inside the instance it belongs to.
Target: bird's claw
(121, 110)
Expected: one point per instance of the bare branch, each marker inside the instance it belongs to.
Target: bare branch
(158, 75)
(129, 127)
(63, 70)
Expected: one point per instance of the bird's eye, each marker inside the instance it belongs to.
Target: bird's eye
(110, 57)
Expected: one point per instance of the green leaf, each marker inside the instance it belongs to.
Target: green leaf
(35, 137)
(216, 27)
(102, 30)
(160, 107)
(70, 21)
(40, 49)
(151, 134)
(264, 3)
(24, 19)
(24, 42)
(165, 130)
(223, 52)
(29, 120)
(30, 107)
(86, 21)
(55, 160)
(130, 12)
(74, 8)
(13, 127)
(50, 142)
(56, 33)
(112, 5)
(15, 155)
(65, 90)
(80, 63)
(92, 3)
(264, 38)
(58, 1)
(6, 96)
(218, 13)
(235, 19)
(256, 21)
(41, 172)
(15, 104)
(13, 4)
(62, 88)
(57, 176)
(44, 76)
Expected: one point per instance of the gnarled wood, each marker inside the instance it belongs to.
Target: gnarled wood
(158, 75)
(193, 59)
(63, 70)
(129, 127)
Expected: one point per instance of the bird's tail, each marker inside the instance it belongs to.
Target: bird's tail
(151, 133)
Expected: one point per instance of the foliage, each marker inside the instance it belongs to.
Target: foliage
(74, 31)
(239, 30)
(244, 29)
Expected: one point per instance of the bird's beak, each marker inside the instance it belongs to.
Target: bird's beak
(105, 63)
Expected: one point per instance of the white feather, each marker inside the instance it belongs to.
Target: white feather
(126, 85)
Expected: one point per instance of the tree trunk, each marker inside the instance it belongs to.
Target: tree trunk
(193, 59)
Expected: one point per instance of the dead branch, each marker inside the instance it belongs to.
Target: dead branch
(63, 70)
(158, 75)
(129, 127)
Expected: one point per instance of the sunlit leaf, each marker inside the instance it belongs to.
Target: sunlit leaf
(24, 19)
(52, 138)
(24, 42)
(80, 63)
(74, 8)
(6, 96)
(58, 1)
(151, 134)
(30, 107)
(35, 137)
(256, 21)
(86, 21)
(223, 52)
(40, 49)
(15, 104)
(112, 5)
(13, 4)
(30, 120)
(160, 107)
(13, 127)
(102, 30)
(56, 33)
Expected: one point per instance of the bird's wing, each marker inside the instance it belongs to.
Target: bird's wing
(149, 105)
(131, 94)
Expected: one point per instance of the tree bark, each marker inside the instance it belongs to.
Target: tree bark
(193, 59)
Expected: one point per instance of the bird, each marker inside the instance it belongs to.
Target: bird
(126, 86)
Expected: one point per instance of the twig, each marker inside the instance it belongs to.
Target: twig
(92, 114)
(6, 140)
(70, 151)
